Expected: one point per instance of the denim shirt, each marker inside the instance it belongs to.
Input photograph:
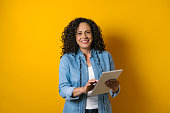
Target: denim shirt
(73, 73)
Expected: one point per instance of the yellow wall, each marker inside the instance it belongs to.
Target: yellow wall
(137, 34)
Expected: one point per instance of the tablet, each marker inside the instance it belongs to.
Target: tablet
(100, 87)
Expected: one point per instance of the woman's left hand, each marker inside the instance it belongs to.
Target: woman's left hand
(113, 84)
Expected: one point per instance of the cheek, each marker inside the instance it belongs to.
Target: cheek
(78, 40)
(91, 39)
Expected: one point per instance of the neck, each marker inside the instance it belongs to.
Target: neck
(86, 52)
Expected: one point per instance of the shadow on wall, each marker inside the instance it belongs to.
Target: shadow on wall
(130, 98)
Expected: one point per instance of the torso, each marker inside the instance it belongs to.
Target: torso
(76, 63)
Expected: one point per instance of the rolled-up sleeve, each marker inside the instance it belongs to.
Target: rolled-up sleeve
(65, 87)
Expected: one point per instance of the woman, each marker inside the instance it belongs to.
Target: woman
(82, 63)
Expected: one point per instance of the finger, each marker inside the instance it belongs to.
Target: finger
(114, 81)
(107, 82)
(109, 85)
(92, 80)
(111, 80)
(88, 84)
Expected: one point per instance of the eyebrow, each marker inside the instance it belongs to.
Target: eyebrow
(86, 30)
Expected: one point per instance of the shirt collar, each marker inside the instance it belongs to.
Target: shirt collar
(80, 53)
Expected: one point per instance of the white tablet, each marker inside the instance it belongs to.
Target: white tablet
(100, 87)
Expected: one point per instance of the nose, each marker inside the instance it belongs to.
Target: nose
(84, 35)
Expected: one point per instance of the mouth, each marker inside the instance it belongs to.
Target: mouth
(85, 41)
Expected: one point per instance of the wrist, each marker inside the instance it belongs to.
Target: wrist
(83, 90)
(114, 91)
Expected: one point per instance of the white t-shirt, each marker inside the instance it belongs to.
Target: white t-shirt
(92, 102)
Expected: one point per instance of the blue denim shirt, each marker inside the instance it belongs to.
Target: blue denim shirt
(73, 73)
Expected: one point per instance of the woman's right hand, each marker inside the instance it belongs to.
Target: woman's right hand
(90, 85)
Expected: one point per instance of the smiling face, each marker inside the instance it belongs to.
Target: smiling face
(84, 36)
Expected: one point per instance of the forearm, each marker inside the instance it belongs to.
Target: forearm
(88, 87)
(78, 91)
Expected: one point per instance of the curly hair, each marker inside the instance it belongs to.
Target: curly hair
(68, 37)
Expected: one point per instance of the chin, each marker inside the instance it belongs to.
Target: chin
(84, 47)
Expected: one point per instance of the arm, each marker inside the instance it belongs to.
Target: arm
(78, 91)
(65, 87)
(114, 89)
(88, 87)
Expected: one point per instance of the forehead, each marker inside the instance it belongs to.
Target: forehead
(83, 26)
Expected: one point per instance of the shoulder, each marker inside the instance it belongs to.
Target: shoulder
(68, 60)
(67, 56)
(104, 53)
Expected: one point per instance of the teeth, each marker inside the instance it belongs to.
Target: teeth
(83, 41)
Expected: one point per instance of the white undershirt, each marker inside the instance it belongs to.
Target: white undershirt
(92, 102)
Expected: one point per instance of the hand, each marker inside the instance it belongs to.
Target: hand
(90, 85)
(113, 84)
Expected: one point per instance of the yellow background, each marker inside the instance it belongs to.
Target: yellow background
(136, 33)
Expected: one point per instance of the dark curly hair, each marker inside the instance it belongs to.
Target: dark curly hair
(68, 37)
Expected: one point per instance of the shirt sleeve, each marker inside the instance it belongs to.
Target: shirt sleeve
(112, 67)
(65, 87)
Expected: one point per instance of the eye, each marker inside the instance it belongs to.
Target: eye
(88, 32)
(78, 33)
